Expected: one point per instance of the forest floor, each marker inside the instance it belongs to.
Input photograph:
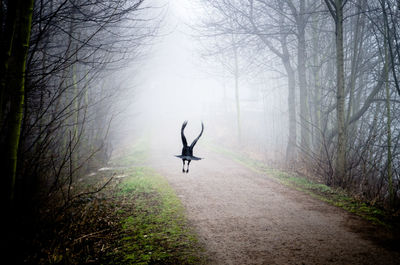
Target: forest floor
(247, 217)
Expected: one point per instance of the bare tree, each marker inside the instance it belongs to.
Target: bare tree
(334, 49)
(75, 46)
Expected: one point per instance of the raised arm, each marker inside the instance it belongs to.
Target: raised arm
(184, 142)
(198, 137)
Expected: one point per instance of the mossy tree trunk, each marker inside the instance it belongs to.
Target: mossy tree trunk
(15, 89)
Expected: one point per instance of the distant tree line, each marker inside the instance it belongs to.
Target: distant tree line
(58, 96)
(341, 64)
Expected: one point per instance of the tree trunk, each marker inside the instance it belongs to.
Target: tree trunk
(291, 149)
(16, 88)
(291, 153)
(301, 68)
(357, 54)
(340, 167)
(316, 106)
(388, 114)
(237, 100)
(7, 41)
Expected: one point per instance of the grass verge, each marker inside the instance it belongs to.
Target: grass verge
(154, 229)
(320, 191)
(153, 226)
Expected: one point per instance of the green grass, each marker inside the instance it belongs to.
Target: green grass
(154, 228)
(320, 191)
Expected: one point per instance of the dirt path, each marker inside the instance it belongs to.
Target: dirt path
(243, 217)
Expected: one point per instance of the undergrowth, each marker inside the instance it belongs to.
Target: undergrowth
(136, 219)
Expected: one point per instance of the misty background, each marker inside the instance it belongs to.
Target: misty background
(180, 81)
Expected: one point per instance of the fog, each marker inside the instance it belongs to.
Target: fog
(177, 83)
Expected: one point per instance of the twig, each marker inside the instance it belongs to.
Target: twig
(91, 234)
(96, 191)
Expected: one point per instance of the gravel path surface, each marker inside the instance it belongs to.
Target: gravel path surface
(243, 217)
